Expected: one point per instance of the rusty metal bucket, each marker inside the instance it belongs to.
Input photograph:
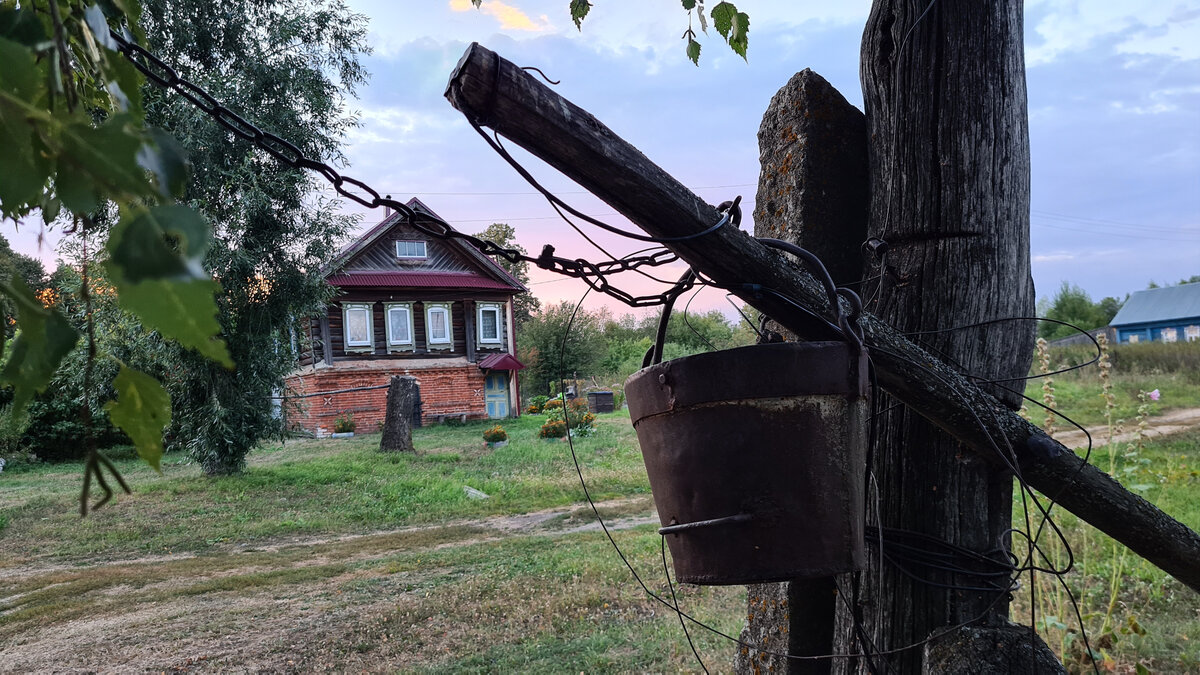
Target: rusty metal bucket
(757, 458)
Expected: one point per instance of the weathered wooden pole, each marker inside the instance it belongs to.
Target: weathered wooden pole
(944, 96)
(490, 90)
(397, 429)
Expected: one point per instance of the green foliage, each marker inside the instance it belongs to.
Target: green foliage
(1073, 305)
(1143, 358)
(344, 423)
(495, 434)
(579, 9)
(77, 147)
(142, 409)
(573, 415)
(524, 304)
(12, 265)
(550, 352)
(733, 25)
(293, 75)
(45, 337)
(536, 404)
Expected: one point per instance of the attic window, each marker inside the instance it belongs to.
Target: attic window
(410, 249)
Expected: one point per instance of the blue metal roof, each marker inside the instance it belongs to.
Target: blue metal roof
(1160, 304)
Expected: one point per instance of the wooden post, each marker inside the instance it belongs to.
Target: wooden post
(949, 184)
(812, 192)
(397, 431)
(492, 91)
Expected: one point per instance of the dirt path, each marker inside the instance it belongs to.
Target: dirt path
(266, 608)
(1171, 422)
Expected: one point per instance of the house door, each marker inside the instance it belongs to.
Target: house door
(496, 394)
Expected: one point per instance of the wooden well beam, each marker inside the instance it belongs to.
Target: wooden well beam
(493, 92)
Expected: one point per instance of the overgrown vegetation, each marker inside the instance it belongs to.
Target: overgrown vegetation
(602, 350)
(1133, 615)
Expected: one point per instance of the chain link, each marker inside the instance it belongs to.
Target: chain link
(593, 274)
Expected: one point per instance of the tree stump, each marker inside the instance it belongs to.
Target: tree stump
(397, 431)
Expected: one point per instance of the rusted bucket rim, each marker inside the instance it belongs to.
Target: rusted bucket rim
(759, 371)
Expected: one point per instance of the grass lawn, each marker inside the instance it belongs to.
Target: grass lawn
(1079, 396)
(305, 488)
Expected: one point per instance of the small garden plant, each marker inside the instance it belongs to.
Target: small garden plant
(574, 414)
(344, 423)
(495, 434)
(536, 404)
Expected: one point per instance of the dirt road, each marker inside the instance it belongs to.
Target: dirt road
(299, 605)
(1170, 422)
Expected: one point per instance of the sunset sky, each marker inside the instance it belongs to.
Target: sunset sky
(1114, 109)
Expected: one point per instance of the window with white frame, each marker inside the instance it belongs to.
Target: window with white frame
(399, 324)
(438, 331)
(1169, 335)
(1134, 338)
(1191, 333)
(407, 248)
(491, 323)
(356, 325)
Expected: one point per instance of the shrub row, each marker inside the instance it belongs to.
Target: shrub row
(1146, 358)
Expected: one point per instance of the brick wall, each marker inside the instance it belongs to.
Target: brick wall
(444, 391)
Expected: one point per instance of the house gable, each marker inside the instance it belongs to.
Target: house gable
(392, 250)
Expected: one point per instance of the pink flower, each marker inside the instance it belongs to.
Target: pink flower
(1154, 395)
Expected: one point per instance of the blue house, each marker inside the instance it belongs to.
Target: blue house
(1160, 314)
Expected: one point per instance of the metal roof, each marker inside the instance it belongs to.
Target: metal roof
(1160, 304)
(501, 361)
(418, 280)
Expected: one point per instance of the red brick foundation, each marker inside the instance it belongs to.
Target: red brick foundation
(452, 390)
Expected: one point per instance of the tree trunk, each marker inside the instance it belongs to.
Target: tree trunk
(397, 431)
(944, 94)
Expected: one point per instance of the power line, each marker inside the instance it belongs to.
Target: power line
(1100, 221)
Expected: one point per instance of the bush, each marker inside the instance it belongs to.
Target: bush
(344, 423)
(495, 434)
(553, 428)
(575, 415)
(536, 404)
(1150, 358)
(555, 403)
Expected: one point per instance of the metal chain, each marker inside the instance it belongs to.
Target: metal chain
(593, 274)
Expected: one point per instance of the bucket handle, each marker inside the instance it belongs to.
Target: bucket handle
(846, 323)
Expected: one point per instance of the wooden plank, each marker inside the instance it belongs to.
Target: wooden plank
(494, 92)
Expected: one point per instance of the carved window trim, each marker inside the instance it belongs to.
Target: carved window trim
(393, 341)
(498, 310)
(443, 342)
(367, 345)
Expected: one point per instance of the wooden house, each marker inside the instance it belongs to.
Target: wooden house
(409, 304)
(1170, 314)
